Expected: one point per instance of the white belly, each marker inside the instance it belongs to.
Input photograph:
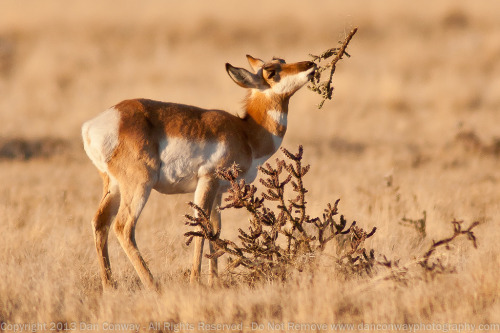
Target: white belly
(183, 162)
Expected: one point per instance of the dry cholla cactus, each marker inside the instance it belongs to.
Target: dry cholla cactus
(277, 242)
(354, 258)
(437, 266)
(325, 88)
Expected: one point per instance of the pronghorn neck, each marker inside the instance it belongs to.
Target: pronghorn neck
(266, 115)
(268, 111)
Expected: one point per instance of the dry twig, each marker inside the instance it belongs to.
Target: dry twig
(325, 88)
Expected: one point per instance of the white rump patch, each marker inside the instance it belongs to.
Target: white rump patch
(278, 117)
(100, 137)
(291, 83)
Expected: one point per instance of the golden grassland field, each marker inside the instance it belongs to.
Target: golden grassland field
(412, 133)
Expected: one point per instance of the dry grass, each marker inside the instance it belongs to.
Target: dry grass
(413, 127)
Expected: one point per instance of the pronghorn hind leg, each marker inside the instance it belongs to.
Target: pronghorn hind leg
(204, 197)
(101, 222)
(133, 199)
(215, 219)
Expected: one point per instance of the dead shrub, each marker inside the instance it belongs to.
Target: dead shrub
(289, 239)
(279, 242)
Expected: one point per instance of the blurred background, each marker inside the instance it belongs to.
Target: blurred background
(420, 71)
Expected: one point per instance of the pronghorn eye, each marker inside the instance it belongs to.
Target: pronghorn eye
(271, 73)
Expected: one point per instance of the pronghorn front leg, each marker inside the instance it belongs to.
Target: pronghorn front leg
(204, 197)
(215, 219)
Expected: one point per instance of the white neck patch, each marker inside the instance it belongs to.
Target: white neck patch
(280, 118)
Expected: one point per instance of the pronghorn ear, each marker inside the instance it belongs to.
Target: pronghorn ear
(244, 78)
(255, 63)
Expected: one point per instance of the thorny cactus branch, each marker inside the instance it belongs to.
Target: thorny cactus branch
(457, 231)
(325, 88)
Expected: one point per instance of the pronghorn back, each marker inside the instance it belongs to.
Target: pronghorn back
(190, 142)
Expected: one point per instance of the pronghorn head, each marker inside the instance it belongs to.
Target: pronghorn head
(274, 77)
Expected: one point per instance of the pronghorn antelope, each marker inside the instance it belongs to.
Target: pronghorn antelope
(139, 145)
